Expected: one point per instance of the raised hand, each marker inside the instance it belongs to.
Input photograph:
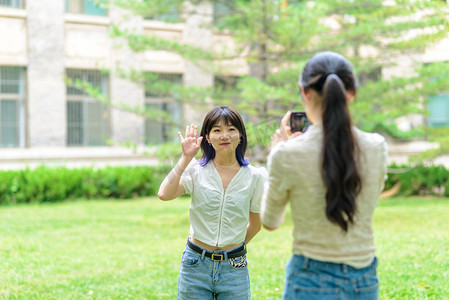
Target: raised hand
(284, 132)
(191, 143)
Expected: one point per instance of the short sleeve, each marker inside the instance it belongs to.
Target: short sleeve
(258, 190)
(188, 176)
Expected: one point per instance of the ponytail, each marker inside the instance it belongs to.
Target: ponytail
(331, 75)
(339, 168)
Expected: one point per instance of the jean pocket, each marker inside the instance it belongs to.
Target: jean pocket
(368, 284)
(314, 286)
(238, 262)
(190, 260)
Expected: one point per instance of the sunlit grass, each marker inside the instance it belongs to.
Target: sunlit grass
(132, 249)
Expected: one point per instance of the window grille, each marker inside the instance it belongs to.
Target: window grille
(12, 106)
(165, 112)
(88, 7)
(439, 111)
(158, 84)
(12, 3)
(88, 120)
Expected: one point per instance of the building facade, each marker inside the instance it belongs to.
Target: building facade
(49, 46)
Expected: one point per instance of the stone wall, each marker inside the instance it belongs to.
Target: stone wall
(46, 111)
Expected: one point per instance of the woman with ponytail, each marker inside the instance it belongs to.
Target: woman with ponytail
(332, 175)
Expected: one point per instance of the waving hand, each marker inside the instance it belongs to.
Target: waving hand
(191, 143)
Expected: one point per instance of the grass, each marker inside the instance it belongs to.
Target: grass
(132, 249)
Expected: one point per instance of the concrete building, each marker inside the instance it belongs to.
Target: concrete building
(46, 45)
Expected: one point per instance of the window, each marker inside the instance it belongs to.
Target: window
(164, 112)
(12, 106)
(12, 3)
(88, 7)
(221, 10)
(439, 111)
(170, 13)
(172, 17)
(88, 121)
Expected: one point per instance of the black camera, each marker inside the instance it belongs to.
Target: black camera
(299, 121)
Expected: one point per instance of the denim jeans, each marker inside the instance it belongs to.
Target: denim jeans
(312, 279)
(202, 278)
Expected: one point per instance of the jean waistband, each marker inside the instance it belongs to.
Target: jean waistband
(221, 255)
(308, 263)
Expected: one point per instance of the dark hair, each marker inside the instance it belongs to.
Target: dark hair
(331, 75)
(229, 116)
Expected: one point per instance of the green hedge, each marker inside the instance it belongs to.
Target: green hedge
(419, 180)
(45, 184)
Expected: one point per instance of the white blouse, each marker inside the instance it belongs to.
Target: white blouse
(294, 169)
(218, 216)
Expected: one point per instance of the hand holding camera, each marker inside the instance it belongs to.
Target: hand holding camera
(292, 125)
(299, 121)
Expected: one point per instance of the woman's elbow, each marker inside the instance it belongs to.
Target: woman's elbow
(163, 196)
(269, 228)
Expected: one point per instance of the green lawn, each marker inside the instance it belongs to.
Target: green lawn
(132, 249)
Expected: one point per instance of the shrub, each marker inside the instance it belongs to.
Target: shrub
(420, 180)
(45, 184)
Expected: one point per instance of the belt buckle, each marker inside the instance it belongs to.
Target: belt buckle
(220, 257)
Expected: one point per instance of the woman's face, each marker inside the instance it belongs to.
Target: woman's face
(224, 138)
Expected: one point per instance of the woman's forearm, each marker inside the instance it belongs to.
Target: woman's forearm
(253, 227)
(169, 188)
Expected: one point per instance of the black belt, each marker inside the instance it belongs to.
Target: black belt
(240, 251)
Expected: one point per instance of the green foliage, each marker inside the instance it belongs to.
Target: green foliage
(168, 153)
(45, 184)
(392, 130)
(259, 135)
(140, 43)
(282, 35)
(420, 180)
(437, 135)
(276, 38)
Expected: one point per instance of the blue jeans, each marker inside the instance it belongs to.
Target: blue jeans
(312, 279)
(202, 278)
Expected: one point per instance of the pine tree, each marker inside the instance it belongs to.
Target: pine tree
(276, 38)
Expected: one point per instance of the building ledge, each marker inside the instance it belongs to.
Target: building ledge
(74, 157)
(159, 25)
(87, 19)
(17, 13)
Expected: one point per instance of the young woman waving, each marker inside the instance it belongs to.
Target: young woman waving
(224, 212)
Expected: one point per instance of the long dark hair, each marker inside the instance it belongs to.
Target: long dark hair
(229, 116)
(331, 75)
